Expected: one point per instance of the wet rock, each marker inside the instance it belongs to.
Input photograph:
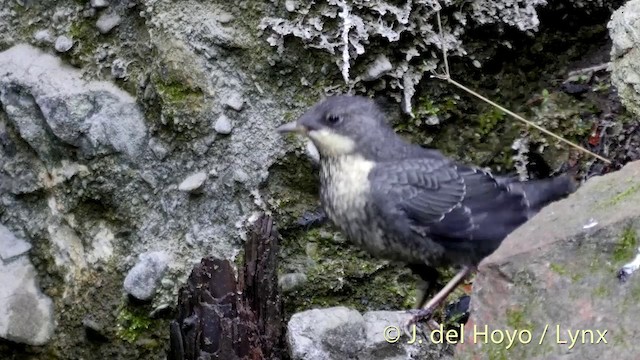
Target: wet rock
(107, 21)
(193, 183)
(342, 333)
(26, 315)
(144, 278)
(559, 271)
(223, 125)
(63, 44)
(10, 245)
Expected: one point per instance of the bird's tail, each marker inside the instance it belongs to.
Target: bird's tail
(540, 193)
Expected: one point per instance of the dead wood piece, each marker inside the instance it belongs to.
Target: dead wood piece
(221, 317)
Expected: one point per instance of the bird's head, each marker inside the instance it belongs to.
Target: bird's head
(341, 125)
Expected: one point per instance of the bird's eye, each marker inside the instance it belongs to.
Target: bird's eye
(333, 119)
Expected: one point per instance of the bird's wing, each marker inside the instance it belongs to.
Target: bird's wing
(445, 201)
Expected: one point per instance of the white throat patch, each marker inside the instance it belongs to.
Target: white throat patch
(330, 143)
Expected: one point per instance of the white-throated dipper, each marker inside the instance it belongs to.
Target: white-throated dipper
(402, 202)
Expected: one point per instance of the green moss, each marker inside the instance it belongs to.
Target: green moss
(575, 277)
(85, 38)
(625, 194)
(132, 323)
(292, 187)
(517, 320)
(340, 274)
(601, 291)
(626, 248)
(27, 28)
(558, 269)
(180, 100)
(635, 294)
(175, 93)
(488, 120)
(427, 107)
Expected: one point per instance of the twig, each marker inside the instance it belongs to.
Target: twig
(444, 48)
(447, 77)
(590, 69)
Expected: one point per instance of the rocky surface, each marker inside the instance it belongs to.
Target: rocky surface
(10, 245)
(26, 315)
(342, 333)
(559, 272)
(625, 53)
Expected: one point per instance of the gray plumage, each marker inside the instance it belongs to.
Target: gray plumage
(403, 202)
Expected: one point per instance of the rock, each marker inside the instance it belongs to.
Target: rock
(89, 13)
(144, 278)
(107, 21)
(99, 4)
(234, 101)
(193, 182)
(559, 269)
(158, 148)
(26, 315)
(342, 333)
(290, 5)
(201, 146)
(223, 125)
(63, 44)
(334, 333)
(43, 36)
(119, 69)
(52, 107)
(10, 245)
(625, 54)
(225, 17)
(291, 281)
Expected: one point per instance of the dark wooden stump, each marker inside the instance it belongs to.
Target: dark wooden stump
(221, 317)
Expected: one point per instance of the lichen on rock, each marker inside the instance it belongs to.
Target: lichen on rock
(359, 34)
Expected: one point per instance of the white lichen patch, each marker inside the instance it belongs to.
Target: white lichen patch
(348, 29)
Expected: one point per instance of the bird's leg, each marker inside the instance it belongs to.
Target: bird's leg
(427, 310)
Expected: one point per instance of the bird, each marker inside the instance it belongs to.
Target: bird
(407, 203)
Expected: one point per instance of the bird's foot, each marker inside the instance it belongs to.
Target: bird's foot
(418, 316)
(311, 219)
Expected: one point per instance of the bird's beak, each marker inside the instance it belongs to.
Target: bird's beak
(291, 127)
